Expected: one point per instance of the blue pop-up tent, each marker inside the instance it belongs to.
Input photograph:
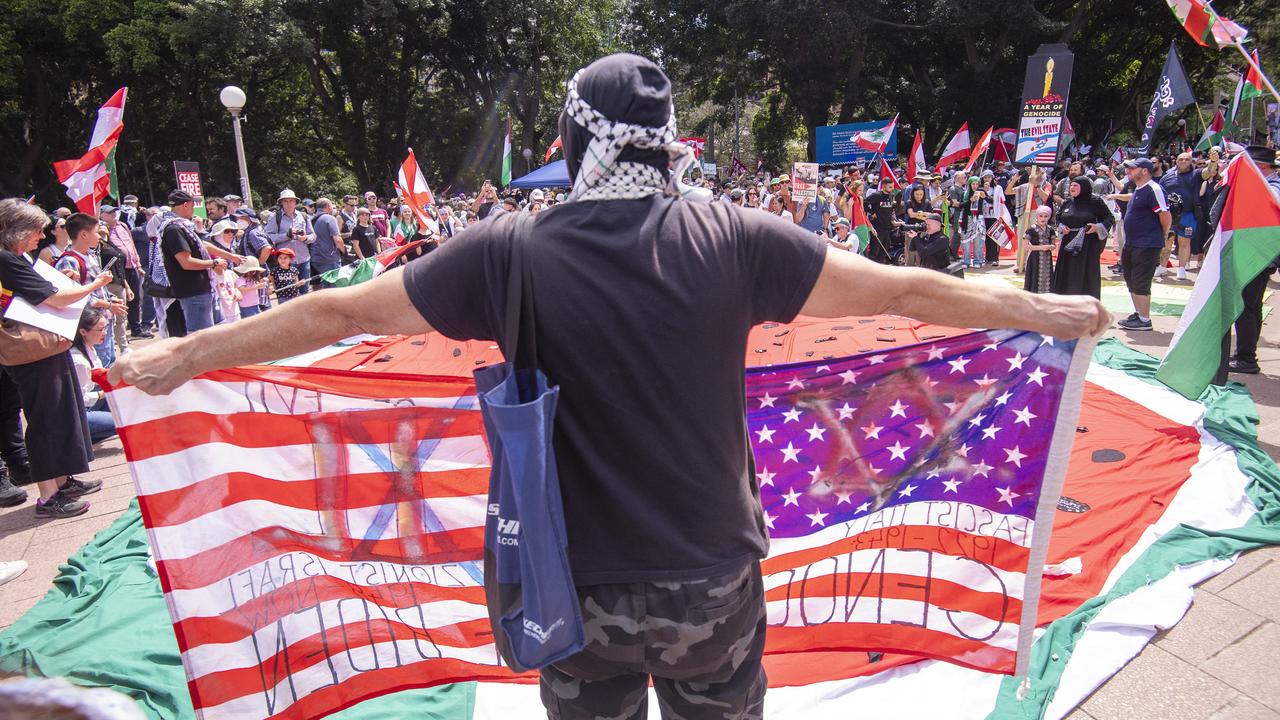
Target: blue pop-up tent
(554, 175)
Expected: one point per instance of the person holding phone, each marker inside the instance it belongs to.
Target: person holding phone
(486, 200)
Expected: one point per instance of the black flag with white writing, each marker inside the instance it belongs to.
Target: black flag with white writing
(1173, 92)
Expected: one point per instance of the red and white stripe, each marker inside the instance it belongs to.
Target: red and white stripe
(916, 164)
(318, 534)
(957, 150)
(86, 178)
(414, 190)
(978, 150)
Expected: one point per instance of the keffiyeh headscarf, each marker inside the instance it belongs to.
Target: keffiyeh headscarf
(622, 159)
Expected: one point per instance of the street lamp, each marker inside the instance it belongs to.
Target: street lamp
(528, 156)
(233, 99)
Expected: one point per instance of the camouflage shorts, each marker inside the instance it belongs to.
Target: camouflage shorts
(700, 641)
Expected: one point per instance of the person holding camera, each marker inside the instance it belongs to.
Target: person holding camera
(289, 229)
(486, 200)
(933, 247)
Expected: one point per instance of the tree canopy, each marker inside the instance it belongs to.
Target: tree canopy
(339, 89)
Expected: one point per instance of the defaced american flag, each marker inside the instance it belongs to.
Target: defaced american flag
(318, 533)
(910, 494)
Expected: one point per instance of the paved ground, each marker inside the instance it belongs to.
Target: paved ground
(1219, 662)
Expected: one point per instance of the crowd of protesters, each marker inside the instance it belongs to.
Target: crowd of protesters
(170, 271)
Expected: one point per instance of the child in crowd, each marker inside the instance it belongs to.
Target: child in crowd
(1041, 239)
(284, 276)
(251, 282)
(224, 285)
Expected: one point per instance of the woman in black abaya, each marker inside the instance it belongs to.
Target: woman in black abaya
(1084, 224)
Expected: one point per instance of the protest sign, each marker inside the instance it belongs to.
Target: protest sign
(1044, 105)
(188, 176)
(58, 321)
(804, 181)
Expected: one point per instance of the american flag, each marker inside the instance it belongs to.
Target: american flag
(905, 491)
(318, 533)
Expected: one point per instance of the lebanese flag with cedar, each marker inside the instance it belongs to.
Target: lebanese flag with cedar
(887, 172)
(875, 140)
(413, 186)
(958, 149)
(89, 179)
(917, 163)
(979, 149)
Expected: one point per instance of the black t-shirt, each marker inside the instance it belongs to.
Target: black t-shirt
(883, 209)
(19, 279)
(367, 237)
(643, 309)
(185, 283)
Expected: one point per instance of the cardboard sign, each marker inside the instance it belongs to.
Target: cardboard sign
(804, 181)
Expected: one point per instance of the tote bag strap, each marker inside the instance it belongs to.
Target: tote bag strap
(521, 341)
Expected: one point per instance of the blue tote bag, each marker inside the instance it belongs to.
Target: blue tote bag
(533, 604)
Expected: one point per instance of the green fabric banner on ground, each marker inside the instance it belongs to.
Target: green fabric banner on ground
(1232, 418)
(105, 624)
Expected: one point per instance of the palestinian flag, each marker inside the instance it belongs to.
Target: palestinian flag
(1068, 136)
(1246, 241)
(861, 225)
(875, 140)
(1212, 134)
(1253, 78)
(368, 268)
(1123, 561)
(1204, 25)
(506, 156)
(92, 177)
(957, 149)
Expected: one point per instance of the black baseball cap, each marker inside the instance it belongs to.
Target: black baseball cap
(178, 197)
(1261, 154)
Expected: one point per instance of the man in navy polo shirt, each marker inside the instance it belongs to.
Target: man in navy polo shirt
(1146, 222)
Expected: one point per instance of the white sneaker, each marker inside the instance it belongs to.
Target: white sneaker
(1160, 272)
(1182, 273)
(11, 570)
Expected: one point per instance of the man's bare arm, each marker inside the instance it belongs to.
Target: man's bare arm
(853, 285)
(380, 307)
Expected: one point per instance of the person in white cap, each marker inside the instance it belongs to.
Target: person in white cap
(289, 229)
(537, 202)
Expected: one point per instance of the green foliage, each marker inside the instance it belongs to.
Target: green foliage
(339, 89)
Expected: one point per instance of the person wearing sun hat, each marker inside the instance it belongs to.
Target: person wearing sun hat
(290, 228)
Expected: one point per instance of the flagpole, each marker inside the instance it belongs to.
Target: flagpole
(1265, 80)
(1204, 126)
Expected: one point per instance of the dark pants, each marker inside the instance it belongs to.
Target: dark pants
(1249, 324)
(304, 273)
(12, 448)
(133, 278)
(700, 642)
(993, 247)
(57, 437)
